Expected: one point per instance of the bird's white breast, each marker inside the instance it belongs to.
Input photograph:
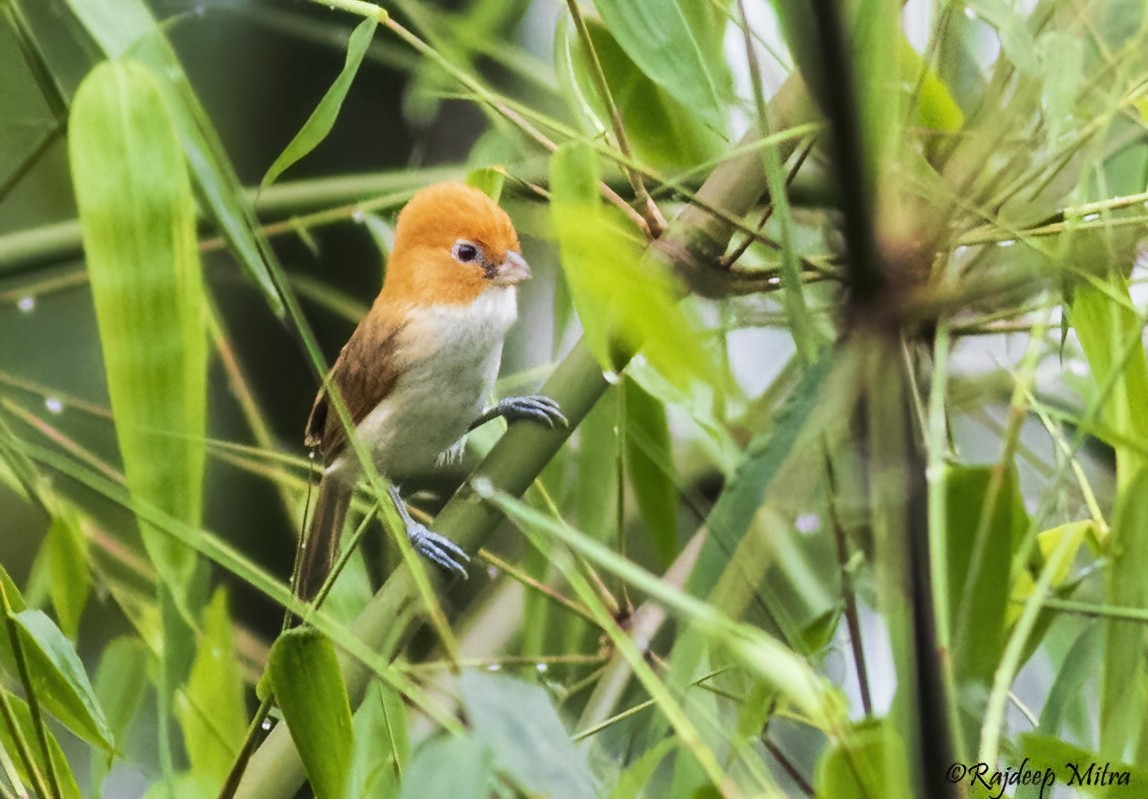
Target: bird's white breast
(449, 356)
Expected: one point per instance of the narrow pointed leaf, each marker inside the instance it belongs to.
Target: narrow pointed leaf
(121, 678)
(69, 582)
(1121, 709)
(649, 461)
(322, 119)
(57, 676)
(979, 631)
(211, 707)
(382, 746)
(858, 765)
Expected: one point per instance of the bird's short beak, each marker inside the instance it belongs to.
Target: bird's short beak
(513, 269)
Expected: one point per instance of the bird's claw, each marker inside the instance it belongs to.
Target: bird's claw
(437, 548)
(531, 407)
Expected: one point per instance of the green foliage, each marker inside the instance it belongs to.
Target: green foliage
(319, 124)
(649, 459)
(138, 215)
(623, 304)
(56, 675)
(14, 737)
(527, 739)
(986, 523)
(382, 746)
(678, 45)
(66, 551)
(310, 692)
(458, 766)
(211, 707)
(121, 678)
(662, 131)
(122, 27)
(859, 765)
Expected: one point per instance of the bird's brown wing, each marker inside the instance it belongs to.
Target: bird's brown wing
(365, 373)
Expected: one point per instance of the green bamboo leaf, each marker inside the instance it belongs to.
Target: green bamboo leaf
(1109, 330)
(638, 775)
(935, 107)
(597, 447)
(754, 713)
(855, 765)
(517, 720)
(650, 464)
(663, 132)
(757, 651)
(69, 583)
(211, 707)
(12, 594)
(470, 775)
(1068, 690)
(1012, 28)
(1061, 57)
(1069, 761)
(1121, 709)
(382, 745)
(69, 788)
(1050, 541)
(122, 27)
(679, 45)
(17, 471)
(310, 691)
(624, 304)
(121, 678)
(745, 492)
(980, 603)
(138, 218)
(488, 179)
(57, 677)
(322, 119)
(697, 401)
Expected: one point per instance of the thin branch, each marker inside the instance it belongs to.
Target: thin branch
(735, 255)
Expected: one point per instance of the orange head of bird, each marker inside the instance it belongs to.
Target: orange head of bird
(452, 243)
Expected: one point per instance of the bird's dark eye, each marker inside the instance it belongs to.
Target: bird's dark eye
(464, 252)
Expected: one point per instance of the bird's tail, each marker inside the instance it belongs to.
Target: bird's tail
(322, 540)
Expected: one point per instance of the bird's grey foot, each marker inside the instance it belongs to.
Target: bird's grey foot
(436, 548)
(531, 407)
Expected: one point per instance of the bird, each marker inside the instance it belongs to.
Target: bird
(416, 372)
